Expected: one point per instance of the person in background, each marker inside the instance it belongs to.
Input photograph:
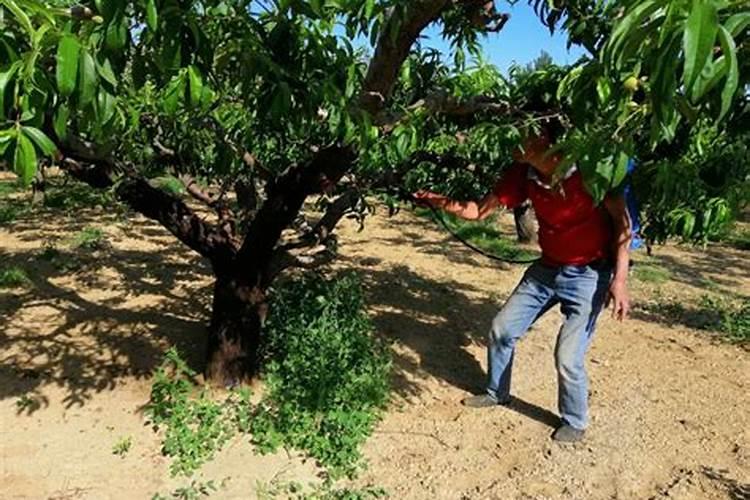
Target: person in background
(584, 264)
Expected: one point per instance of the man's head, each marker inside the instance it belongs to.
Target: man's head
(535, 148)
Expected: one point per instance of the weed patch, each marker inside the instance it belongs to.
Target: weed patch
(651, 274)
(326, 374)
(171, 185)
(89, 238)
(194, 427)
(729, 318)
(122, 446)
(13, 277)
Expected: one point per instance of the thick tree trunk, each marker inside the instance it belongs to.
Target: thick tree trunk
(525, 223)
(234, 332)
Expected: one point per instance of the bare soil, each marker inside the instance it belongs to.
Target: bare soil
(78, 345)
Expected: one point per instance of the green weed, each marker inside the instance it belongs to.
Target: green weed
(9, 187)
(170, 184)
(90, 238)
(13, 277)
(651, 274)
(739, 239)
(122, 446)
(195, 490)
(729, 318)
(24, 402)
(61, 261)
(76, 195)
(194, 427)
(734, 318)
(325, 491)
(326, 375)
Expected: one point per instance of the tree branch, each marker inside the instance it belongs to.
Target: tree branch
(286, 196)
(397, 36)
(206, 239)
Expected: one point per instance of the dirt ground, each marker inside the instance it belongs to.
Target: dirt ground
(670, 404)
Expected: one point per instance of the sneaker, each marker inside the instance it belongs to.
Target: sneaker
(483, 401)
(568, 434)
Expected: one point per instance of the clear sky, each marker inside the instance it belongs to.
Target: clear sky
(521, 40)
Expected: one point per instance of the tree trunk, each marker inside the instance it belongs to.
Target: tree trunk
(239, 311)
(525, 222)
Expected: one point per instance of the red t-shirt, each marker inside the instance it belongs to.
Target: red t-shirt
(572, 229)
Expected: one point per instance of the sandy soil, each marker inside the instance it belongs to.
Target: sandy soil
(669, 404)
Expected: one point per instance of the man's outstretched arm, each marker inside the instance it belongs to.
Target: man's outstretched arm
(470, 210)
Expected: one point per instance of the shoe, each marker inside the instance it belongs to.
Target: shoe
(483, 401)
(568, 434)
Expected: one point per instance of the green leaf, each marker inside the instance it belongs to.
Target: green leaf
(60, 121)
(733, 74)
(87, 79)
(24, 159)
(711, 75)
(104, 106)
(701, 28)
(152, 18)
(196, 86)
(174, 92)
(104, 68)
(45, 145)
(116, 35)
(737, 23)
(5, 79)
(20, 15)
(68, 51)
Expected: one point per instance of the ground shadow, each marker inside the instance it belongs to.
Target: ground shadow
(436, 320)
(90, 317)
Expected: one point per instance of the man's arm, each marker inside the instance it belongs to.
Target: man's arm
(470, 210)
(618, 290)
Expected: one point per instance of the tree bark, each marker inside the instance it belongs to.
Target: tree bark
(525, 223)
(234, 333)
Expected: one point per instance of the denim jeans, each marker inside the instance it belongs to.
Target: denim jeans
(581, 292)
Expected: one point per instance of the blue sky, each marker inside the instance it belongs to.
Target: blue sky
(521, 40)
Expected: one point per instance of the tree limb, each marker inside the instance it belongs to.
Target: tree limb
(398, 34)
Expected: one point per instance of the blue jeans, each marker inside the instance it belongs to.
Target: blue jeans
(581, 292)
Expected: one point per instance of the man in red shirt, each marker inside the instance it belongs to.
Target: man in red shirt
(584, 263)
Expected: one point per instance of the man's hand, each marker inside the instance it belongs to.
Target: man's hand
(430, 199)
(618, 295)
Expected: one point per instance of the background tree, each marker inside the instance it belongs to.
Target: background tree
(258, 105)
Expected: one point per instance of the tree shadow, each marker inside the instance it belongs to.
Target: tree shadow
(436, 320)
(735, 489)
(89, 319)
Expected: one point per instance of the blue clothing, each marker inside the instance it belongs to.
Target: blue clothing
(581, 292)
(632, 204)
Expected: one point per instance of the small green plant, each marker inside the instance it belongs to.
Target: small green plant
(170, 184)
(62, 261)
(651, 274)
(324, 491)
(24, 402)
(740, 239)
(122, 446)
(75, 196)
(195, 490)
(90, 238)
(13, 277)
(194, 427)
(733, 318)
(730, 318)
(326, 374)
